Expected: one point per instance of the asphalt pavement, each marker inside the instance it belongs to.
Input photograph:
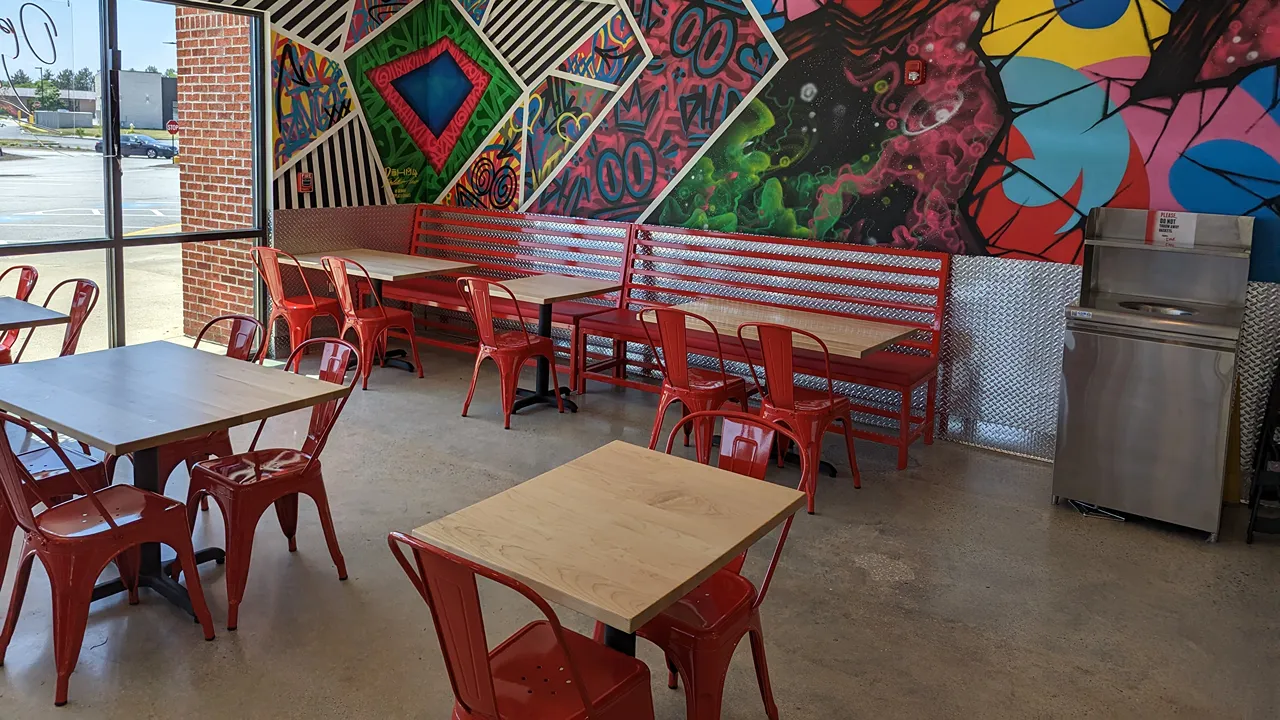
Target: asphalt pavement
(57, 195)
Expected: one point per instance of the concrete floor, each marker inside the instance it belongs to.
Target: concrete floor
(952, 589)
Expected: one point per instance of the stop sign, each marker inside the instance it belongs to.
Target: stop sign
(172, 126)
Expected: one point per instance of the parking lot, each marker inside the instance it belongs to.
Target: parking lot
(48, 195)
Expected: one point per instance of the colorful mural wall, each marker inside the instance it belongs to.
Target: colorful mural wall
(795, 117)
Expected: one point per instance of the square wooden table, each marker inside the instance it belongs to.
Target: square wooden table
(390, 267)
(16, 314)
(544, 291)
(619, 534)
(848, 337)
(134, 399)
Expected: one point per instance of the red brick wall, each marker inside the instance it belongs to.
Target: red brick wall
(214, 92)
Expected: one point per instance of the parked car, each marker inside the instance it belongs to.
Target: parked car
(131, 144)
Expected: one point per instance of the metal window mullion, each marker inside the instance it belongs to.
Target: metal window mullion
(111, 171)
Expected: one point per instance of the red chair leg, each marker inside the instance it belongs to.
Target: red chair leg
(847, 422)
(663, 403)
(128, 563)
(317, 494)
(673, 675)
(704, 686)
(287, 514)
(298, 332)
(930, 398)
(413, 349)
(7, 528)
(241, 521)
(72, 588)
(904, 428)
(19, 592)
(509, 376)
(762, 669)
(555, 381)
(180, 540)
(475, 375)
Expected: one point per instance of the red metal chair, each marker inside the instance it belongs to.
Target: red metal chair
(76, 539)
(245, 485)
(297, 311)
(84, 297)
(246, 340)
(370, 323)
(696, 389)
(27, 277)
(510, 350)
(807, 413)
(542, 672)
(700, 632)
(44, 467)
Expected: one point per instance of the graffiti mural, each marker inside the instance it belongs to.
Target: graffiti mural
(795, 117)
(311, 96)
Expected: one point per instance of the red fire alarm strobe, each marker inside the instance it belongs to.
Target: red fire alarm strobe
(306, 182)
(914, 72)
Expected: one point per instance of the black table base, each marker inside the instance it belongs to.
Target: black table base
(152, 573)
(542, 393)
(623, 642)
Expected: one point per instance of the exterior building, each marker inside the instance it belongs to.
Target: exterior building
(147, 100)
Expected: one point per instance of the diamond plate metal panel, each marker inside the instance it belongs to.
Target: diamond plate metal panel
(1002, 353)
(1256, 363)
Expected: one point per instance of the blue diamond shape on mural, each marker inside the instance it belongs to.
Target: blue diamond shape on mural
(436, 91)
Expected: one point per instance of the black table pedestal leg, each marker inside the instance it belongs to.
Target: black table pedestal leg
(623, 642)
(152, 573)
(392, 358)
(542, 394)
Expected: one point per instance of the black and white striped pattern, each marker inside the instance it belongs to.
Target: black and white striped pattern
(535, 34)
(321, 23)
(344, 170)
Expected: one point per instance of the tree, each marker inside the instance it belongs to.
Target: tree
(152, 69)
(48, 96)
(171, 73)
(20, 79)
(85, 79)
(65, 80)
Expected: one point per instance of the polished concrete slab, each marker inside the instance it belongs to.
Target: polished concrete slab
(953, 589)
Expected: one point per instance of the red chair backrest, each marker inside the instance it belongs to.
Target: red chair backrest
(745, 442)
(246, 339)
(477, 294)
(84, 298)
(344, 279)
(673, 335)
(17, 490)
(27, 277)
(335, 357)
(448, 585)
(777, 352)
(268, 262)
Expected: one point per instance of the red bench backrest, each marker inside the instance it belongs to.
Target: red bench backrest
(666, 265)
(507, 245)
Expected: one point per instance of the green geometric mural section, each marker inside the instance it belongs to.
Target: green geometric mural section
(412, 177)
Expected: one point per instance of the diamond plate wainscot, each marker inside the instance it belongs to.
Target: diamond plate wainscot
(1257, 362)
(1002, 353)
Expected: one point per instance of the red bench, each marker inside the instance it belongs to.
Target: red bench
(507, 245)
(666, 266)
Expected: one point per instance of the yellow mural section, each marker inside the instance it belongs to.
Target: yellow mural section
(1035, 28)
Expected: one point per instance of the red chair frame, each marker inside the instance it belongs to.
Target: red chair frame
(780, 402)
(27, 277)
(507, 354)
(84, 298)
(246, 484)
(297, 312)
(678, 379)
(447, 583)
(74, 552)
(371, 324)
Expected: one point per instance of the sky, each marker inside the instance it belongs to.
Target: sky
(144, 29)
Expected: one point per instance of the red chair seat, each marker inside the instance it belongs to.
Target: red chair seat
(518, 339)
(257, 466)
(720, 598)
(322, 304)
(621, 320)
(700, 379)
(887, 367)
(43, 463)
(813, 401)
(531, 674)
(125, 503)
(375, 314)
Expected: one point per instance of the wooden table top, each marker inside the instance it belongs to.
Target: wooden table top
(388, 266)
(143, 396)
(548, 289)
(618, 534)
(16, 314)
(847, 337)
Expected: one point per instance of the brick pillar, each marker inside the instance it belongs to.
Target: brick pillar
(216, 156)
